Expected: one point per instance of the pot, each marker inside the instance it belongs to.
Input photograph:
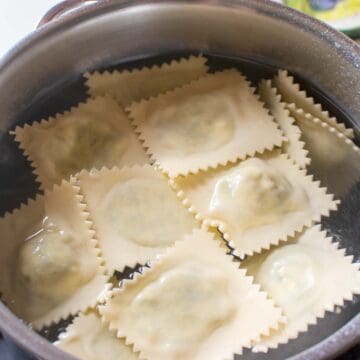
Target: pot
(109, 31)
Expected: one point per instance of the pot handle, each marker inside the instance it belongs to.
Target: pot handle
(63, 8)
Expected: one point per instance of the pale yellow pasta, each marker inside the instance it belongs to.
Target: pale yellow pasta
(135, 212)
(292, 94)
(134, 85)
(49, 263)
(88, 338)
(294, 146)
(334, 158)
(208, 122)
(194, 303)
(256, 202)
(304, 277)
(94, 134)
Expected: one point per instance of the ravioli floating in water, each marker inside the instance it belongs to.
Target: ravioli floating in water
(255, 194)
(49, 267)
(192, 154)
(196, 299)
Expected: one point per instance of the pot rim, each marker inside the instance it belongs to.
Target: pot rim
(15, 328)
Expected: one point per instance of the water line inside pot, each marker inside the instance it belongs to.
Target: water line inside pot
(17, 181)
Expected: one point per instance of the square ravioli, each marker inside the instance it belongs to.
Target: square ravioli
(329, 149)
(88, 338)
(193, 303)
(93, 134)
(135, 212)
(211, 121)
(294, 146)
(290, 93)
(49, 263)
(305, 277)
(257, 202)
(133, 85)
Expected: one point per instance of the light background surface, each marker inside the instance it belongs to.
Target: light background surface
(18, 18)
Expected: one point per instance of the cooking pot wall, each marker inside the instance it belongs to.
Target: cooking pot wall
(147, 30)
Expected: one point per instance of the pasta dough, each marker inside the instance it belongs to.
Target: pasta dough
(135, 212)
(88, 338)
(135, 207)
(321, 140)
(305, 277)
(256, 202)
(294, 146)
(134, 85)
(290, 93)
(50, 268)
(208, 122)
(255, 194)
(196, 296)
(193, 303)
(291, 275)
(192, 130)
(92, 135)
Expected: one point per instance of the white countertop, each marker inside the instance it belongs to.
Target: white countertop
(18, 18)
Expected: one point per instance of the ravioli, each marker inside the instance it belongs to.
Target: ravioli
(294, 146)
(135, 212)
(256, 202)
(170, 185)
(208, 122)
(305, 277)
(94, 134)
(88, 338)
(196, 296)
(329, 149)
(194, 303)
(49, 268)
(255, 194)
(89, 143)
(292, 94)
(192, 130)
(128, 86)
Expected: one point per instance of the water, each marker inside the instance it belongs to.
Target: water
(17, 181)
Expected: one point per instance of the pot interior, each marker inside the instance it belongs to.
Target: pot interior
(17, 181)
